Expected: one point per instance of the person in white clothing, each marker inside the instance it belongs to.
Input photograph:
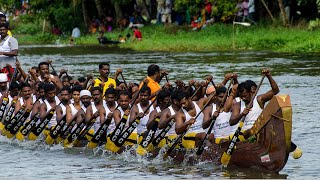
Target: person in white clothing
(216, 112)
(242, 109)
(8, 47)
(3, 83)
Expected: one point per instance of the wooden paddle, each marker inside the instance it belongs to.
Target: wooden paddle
(185, 132)
(40, 127)
(226, 156)
(124, 136)
(203, 142)
(124, 81)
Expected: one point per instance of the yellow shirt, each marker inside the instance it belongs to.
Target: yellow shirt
(9, 33)
(97, 82)
(153, 85)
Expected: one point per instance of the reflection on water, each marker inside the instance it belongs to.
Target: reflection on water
(296, 74)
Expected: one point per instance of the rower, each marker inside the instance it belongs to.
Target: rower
(25, 95)
(168, 115)
(75, 106)
(185, 119)
(221, 127)
(65, 101)
(51, 101)
(96, 106)
(110, 106)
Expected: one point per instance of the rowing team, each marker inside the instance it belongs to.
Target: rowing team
(111, 113)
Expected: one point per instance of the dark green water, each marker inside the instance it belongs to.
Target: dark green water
(296, 75)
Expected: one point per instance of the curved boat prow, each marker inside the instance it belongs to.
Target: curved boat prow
(273, 130)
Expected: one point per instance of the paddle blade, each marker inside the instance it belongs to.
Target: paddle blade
(225, 159)
(141, 151)
(9, 135)
(1, 126)
(89, 134)
(4, 132)
(20, 136)
(92, 145)
(111, 146)
(165, 156)
(32, 137)
(49, 140)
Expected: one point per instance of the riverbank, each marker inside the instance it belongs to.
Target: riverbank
(217, 37)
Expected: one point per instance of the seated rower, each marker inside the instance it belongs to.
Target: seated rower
(168, 115)
(251, 114)
(140, 108)
(216, 112)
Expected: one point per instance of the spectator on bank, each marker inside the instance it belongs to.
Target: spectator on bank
(137, 35)
(160, 10)
(251, 10)
(166, 17)
(8, 47)
(136, 21)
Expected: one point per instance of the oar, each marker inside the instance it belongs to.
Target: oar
(124, 81)
(124, 136)
(56, 131)
(4, 103)
(53, 70)
(226, 156)
(12, 121)
(40, 127)
(203, 142)
(20, 122)
(184, 132)
(65, 132)
(75, 134)
(9, 114)
(98, 135)
(28, 127)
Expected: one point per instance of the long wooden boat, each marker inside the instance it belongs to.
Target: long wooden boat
(271, 149)
(269, 152)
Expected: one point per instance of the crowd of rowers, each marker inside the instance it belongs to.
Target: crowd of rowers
(111, 109)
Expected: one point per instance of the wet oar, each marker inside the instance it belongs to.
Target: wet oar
(53, 70)
(124, 136)
(116, 144)
(20, 122)
(184, 132)
(98, 135)
(226, 156)
(4, 103)
(28, 127)
(37, 131)
(203, 142)
(56, 131)
(12, 121)
(8, 115)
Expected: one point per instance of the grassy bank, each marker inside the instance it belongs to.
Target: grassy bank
(217, 37)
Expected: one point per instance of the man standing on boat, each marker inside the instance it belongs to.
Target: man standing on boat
(8, 47)
(153, 79)
(104, 81)
(46, 77)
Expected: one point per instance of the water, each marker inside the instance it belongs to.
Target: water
(296, 74)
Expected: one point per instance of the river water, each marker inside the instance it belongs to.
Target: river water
(296, 75)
